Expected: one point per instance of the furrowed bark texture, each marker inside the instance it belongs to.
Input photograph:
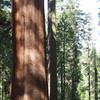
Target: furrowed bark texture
(28, 75)
(52, 65)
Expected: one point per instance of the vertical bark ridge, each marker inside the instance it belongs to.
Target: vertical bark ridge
(29, 77)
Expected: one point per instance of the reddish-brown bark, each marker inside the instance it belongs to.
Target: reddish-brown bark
(28, 75)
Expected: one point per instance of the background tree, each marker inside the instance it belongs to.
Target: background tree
(95, 72)
(52, 72)
(5, 49)
(72, 60)
(68, 51)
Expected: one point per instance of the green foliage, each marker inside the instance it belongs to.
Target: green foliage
(68, 51)
(73, 30)
(75, 62)
(5, 51)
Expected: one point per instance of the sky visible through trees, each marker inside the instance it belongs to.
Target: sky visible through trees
(92, 6)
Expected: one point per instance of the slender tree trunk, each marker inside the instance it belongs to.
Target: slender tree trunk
(73, 88)
(63, 72)
(2, 88)
(89, 81)
(64, 63)
(52, 73)
(28, 76)
(73, 91)
(62, 82)
(75, 72)
(96, 84)
(95, 70)
(89, 87)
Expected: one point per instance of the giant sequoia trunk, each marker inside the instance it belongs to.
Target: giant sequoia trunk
(28, 76)
(52, 74)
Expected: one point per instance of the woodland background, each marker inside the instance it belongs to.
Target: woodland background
(76, 60)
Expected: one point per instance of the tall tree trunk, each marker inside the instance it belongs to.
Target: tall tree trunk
(62, 81)
(89, 81)
(75, 72)
(63, 70)
(52, 74)
(28, 76)
(74, 82)
(96, 84)
(95, 70)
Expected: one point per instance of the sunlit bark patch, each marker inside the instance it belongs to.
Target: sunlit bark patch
(29, 78)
